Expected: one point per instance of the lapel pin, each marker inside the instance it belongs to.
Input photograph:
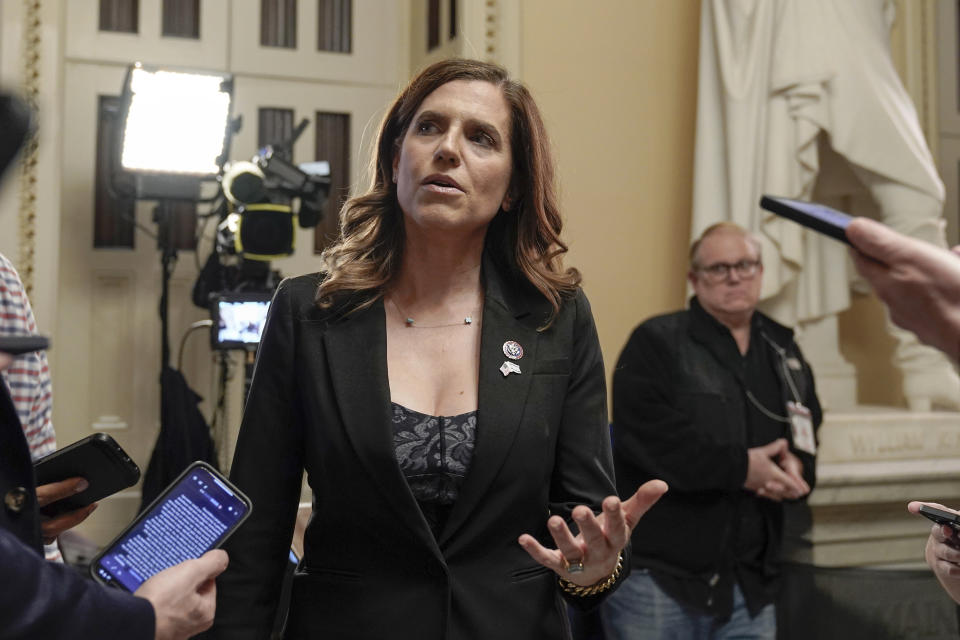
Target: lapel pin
(513, 350)
(794, 364)
(509, 367)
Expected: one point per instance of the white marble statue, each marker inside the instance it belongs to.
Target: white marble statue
(800, 98)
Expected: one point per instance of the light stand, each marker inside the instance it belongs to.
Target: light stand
(176, 134)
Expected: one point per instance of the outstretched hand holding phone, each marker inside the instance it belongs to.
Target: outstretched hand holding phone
(919, 282)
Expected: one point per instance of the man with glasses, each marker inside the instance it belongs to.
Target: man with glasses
(718, 401)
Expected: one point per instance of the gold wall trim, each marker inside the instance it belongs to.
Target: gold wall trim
(27, 219)
(490, 25)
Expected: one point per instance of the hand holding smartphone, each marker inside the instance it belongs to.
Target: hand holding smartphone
(941, 516)
(195, 514)
(97, 458)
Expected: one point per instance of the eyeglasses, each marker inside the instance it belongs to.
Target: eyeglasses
(719, 271)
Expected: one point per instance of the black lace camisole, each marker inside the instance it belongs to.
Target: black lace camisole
(434, 453)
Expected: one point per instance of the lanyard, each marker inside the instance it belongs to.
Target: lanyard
(782, 354)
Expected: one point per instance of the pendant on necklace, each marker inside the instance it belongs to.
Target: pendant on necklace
(410, 322)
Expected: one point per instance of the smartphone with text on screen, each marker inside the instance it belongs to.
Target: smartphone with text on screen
(195, 514)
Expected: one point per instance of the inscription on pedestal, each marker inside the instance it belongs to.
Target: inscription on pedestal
(866, 445)
(870, 463)
(886, 436)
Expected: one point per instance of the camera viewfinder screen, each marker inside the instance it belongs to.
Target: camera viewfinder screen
(240, 322)
(191, 518)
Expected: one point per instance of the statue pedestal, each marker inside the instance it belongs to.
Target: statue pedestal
(871, 462)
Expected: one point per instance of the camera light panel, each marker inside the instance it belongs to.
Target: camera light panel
(176, 122)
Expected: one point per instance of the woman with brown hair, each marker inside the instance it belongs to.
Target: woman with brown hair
(441, 383)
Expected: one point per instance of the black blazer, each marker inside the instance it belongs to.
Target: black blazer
(320, 401)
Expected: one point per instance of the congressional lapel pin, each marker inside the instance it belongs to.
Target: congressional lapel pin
(513, 350)
(509, 367)
(794, 364)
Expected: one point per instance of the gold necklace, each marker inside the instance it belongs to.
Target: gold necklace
(412, 324)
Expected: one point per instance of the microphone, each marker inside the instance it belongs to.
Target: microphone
(243, 183)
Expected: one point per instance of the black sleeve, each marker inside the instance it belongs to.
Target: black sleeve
(268, 467)
(653, 434)
(40, 599)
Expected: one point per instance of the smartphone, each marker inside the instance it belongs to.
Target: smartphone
(196, 513)
(98, 458)
(818, 217)
(16, 345)
(941, 517)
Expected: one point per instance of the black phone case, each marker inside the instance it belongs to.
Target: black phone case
(16, 345)
(143, 514)
(782, 207)
(941, 517)
(99, 459)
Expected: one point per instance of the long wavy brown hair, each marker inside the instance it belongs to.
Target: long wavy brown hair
(525, 239)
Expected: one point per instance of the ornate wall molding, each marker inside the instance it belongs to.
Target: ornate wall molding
(491, 17)
(491, 32)
(27, 226)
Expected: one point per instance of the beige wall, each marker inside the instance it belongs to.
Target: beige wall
(616, 81)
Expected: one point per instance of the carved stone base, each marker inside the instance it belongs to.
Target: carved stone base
(871, 462)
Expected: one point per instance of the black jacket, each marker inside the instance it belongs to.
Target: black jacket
(18, 512)
(679, 410)
(320, 402)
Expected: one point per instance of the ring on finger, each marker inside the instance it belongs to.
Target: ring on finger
(573, 567)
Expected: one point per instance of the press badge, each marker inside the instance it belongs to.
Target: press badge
(801, 423)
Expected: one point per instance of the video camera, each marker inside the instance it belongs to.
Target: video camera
(262, 225)
(257, 224)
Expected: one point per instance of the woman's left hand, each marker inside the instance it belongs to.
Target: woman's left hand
(601, 538)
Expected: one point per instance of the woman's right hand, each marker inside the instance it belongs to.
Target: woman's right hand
(601, 539)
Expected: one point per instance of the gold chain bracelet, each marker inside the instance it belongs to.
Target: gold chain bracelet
(575, 589)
